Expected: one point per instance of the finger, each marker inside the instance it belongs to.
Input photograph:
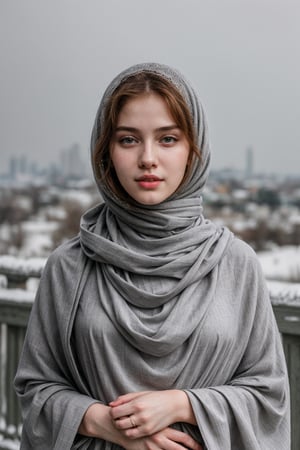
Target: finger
(134, 432)
(183, 438)
(171, 445)
(118, 412)
(119, 401)
(125, 423)
(126, 398)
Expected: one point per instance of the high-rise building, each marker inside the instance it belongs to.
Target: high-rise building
(23, 166)
(249, 168)
(13, 168)
(72, 164)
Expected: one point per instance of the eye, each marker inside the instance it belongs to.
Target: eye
(169, 140)
(127, 140)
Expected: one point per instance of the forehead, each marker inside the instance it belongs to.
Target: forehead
(151, 107)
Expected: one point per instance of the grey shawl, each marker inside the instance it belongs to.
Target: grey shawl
(155, 298)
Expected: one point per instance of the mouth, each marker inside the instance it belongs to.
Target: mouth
(149, 181)
(149, 178)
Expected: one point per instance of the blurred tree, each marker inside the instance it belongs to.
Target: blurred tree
(69, 226)
(268, 197)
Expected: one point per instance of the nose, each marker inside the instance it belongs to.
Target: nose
(148, 155)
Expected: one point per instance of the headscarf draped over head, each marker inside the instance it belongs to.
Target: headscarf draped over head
(170, 240)
(199, 174)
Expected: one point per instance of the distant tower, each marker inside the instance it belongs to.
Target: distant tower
(23, 164)
(13, 168)
(249, 162)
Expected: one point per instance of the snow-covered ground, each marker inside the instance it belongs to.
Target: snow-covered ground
(284, 292)
(37, 237)
(281, 264)
(9, 445)
(281, 267)
(82, 198)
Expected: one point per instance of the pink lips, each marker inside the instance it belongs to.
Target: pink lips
(149, 181)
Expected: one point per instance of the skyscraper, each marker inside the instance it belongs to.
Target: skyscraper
(72, 163)
(249, 162)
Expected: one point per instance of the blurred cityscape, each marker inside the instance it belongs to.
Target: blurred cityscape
(40, 207)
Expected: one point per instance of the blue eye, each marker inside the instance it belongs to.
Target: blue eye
(127, 140)
(169, 139)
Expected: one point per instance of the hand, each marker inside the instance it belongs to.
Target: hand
(167, 439)
(97, 423)
(144, 413)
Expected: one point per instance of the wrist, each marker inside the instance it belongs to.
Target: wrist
(88, 425)
(97, 423)
(182, 407)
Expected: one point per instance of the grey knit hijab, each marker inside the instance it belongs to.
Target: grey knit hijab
(154, 255)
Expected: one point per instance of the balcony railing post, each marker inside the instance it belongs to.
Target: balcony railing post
(15, 338)
(2, 375)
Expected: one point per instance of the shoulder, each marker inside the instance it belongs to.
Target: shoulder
(240, 250)
(240, 256)
(65, 257)
(241, 274)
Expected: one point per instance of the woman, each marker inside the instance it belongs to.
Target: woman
(153, 328)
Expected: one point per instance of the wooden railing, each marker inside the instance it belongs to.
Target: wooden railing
(15, 306)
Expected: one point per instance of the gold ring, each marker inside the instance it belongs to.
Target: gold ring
(133, 425)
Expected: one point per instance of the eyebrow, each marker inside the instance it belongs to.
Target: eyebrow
(136, 130)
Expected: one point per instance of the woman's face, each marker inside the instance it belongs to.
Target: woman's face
(148, 150)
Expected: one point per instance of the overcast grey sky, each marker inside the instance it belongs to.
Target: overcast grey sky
(241, 55)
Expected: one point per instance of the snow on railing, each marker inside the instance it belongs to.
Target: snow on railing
(18, 269)
(284, 293)
(9, 444)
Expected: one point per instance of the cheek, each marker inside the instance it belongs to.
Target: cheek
(181, 166)
(122, 165)
(182, 161)
(117, 159)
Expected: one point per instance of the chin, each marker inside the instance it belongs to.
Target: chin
(150, 201)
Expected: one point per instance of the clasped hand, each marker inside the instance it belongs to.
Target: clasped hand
(141, 414)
